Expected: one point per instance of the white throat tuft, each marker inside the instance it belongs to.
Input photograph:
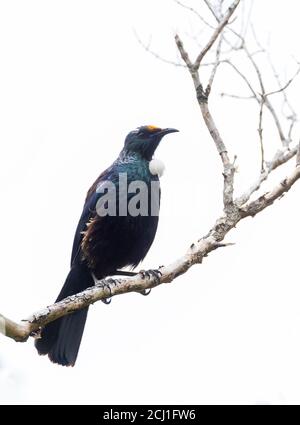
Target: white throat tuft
(156, 167)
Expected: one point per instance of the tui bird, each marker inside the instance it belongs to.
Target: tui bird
(105, 243)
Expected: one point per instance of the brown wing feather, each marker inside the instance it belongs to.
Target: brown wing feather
(88, 238)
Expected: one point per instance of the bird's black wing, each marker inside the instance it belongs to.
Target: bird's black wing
(89, 211)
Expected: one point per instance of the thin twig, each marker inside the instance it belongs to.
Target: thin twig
(235, 96)
(183, 52)
(194, 11)
(281, 157)
(217, 63)
(243, 76)
(155, 54)
(269, 198)
(260, 132)
(246, 22)
(216, 33)
(283, 88)
(298, 156)
(263, 92)
(210, 6)
(202, 97)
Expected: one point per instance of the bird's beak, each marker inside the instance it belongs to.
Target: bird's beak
(165, 131)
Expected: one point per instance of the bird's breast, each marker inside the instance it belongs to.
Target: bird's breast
(123, 228)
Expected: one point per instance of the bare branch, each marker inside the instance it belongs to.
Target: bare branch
(259, 45)
(235, 96)
(216, 33)
(277, 122)
(217, 63)
(257, 98)
(156, 55)
(209, 5)
(298, 156)
(194, 11)
(268, 198)
(254, 94)
(183, 52)
(111, 287)
(228, 167)
(245, 22)
(202, 97)
(282, 89)
(265, 96)
(260, 132)
(147, 48)
(255, 66)
(262, 99)
(285, 141)
(291, 116)
(281, 157)
(17, 331)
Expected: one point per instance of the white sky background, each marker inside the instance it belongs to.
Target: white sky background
(73, 82)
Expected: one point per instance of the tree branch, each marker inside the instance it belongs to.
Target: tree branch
(202, 97)
(107, 288)
(268, 198)
(194, 11)
(216, 33)
(281, 157)
(260, 133)
(298, 156)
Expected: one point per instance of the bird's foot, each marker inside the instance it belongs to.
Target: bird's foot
(145, 274)
(151, 273)
(36, 334)
(107, 300)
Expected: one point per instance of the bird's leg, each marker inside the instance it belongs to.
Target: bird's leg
(124, 273)
(105, 285)
(105, 300)
(144, 292)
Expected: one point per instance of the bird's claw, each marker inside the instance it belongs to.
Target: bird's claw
(36, 334)
(106, 301)
(145, 292)
(151, 273)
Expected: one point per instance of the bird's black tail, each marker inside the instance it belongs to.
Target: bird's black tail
(61, 339)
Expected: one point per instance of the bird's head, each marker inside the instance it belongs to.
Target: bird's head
(144, 140)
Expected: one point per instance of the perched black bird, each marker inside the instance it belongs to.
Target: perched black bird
(105, 243)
